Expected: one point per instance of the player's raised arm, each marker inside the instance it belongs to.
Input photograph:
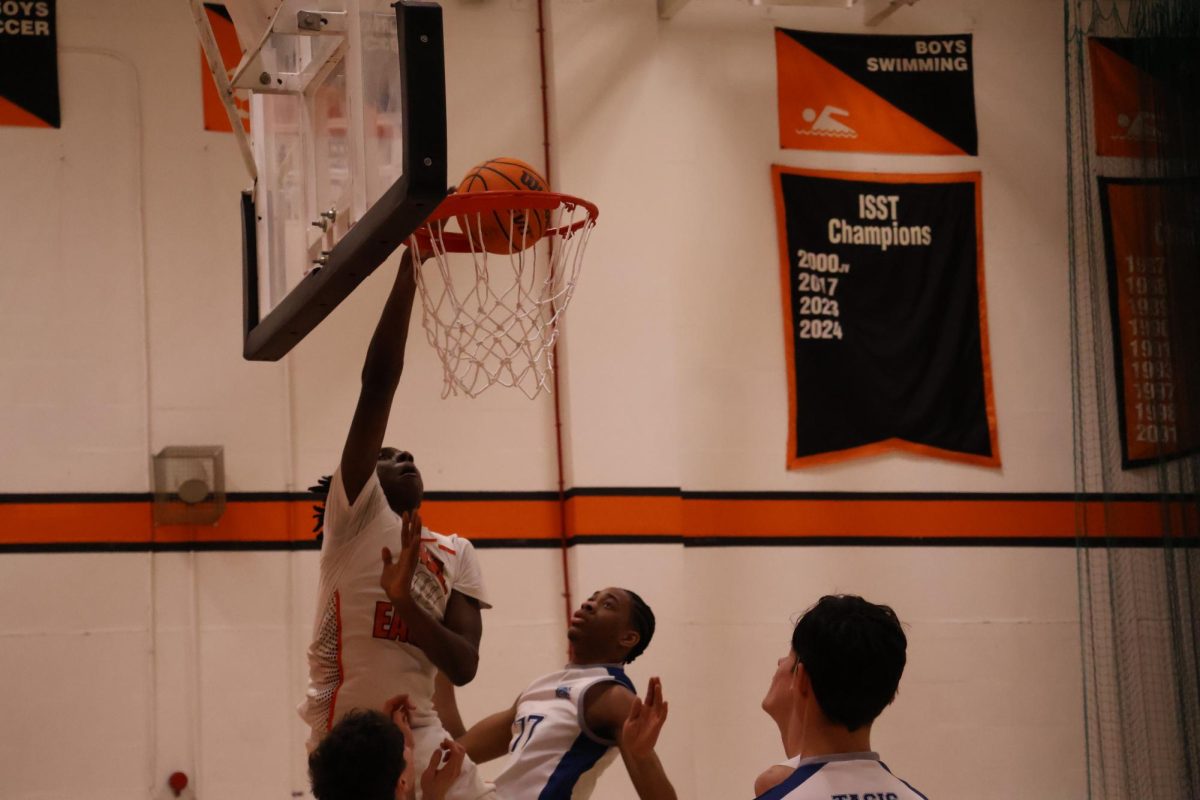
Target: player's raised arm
(614, 711)
(452, 643)
(380, 377)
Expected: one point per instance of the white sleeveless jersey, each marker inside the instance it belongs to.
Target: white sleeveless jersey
(553, 755)
(846, 776)
(360, 656)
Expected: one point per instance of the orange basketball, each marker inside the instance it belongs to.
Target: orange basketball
(504, 231)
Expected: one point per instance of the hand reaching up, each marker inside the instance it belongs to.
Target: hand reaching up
(444, 767)
(396, 577)
(645, 721)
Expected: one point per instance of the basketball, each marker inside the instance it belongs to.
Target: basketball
(502, 231)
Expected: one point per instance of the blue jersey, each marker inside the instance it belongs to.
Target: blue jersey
(846, 776)
(553, 755)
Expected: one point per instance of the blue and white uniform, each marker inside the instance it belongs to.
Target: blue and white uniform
(553, 755)
(845, 776)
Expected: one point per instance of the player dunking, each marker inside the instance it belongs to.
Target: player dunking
(560, 733)
(378, 636)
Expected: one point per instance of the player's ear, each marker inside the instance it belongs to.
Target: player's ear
(629, 639)
(801, 683)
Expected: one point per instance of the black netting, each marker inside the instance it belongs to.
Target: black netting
(1133, 112)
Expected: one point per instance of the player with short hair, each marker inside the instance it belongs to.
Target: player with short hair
(368, 756)
(378, 635)
(560, 733)
(842, 670)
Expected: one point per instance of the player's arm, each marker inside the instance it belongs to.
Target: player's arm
(380, 377)
(488, 739)
(616, 713)
(451, 643)
(770, 778)
(446, 703)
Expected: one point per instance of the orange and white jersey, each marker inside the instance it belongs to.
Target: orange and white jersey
(360, 655)
(845, 776)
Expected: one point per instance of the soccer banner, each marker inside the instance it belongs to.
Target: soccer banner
(1154, 291)
(215, 118)
(29, 64)
(876, 94)
(884, 314)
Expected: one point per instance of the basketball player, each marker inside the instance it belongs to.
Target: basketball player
(368, 756)
(378, 635)
(560, 733)
(842, 670)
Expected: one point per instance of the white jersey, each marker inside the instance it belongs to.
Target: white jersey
(360, 655)
(846, 776)
(553, 753)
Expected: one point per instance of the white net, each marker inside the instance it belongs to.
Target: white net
(494, 317)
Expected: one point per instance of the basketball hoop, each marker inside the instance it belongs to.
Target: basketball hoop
(493, 316)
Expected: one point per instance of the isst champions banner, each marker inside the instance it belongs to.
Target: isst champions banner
(884, 314)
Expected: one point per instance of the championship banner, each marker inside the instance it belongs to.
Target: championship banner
(886, 328)
(876, 94)
(215, 118)
(1124, 95)
(1153, 300)
(29, 64)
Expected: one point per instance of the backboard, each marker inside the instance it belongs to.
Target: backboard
(348, 135)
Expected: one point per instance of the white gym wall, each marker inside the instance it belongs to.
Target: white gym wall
(121, 309)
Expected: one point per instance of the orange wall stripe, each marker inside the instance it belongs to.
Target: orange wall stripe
(39, 523)
(626, 516)
(730, 518)
(493, 519)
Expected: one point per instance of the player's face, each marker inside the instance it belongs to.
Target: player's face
(601, 620)
(400, 479)
(778, 700)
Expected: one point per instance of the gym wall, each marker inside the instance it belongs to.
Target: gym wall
(136, 651)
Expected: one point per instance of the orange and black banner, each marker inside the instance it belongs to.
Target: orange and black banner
(1131, 90)
(215, 118)
(884, 314)
(1154, 291)
(876, 94)
(29, 64)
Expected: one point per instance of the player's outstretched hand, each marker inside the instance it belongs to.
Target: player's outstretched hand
(639, 735)
(444, 767)
(397, 577)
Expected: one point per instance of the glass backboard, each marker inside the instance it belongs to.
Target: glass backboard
(348, 134)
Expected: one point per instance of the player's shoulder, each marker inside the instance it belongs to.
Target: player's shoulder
(451, 544)
(816, 777)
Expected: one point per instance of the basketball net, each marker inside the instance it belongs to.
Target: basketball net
(493, 317)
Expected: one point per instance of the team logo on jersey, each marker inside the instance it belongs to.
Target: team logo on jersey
(564, 692)
(435, 566)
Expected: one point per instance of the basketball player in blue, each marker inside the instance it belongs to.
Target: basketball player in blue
(568, 725)
(842, 670)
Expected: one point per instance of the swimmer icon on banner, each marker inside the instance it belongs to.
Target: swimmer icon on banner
(876, 94)
(29, 64)
(886, 325)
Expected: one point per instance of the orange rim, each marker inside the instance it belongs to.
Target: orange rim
(460, 204)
